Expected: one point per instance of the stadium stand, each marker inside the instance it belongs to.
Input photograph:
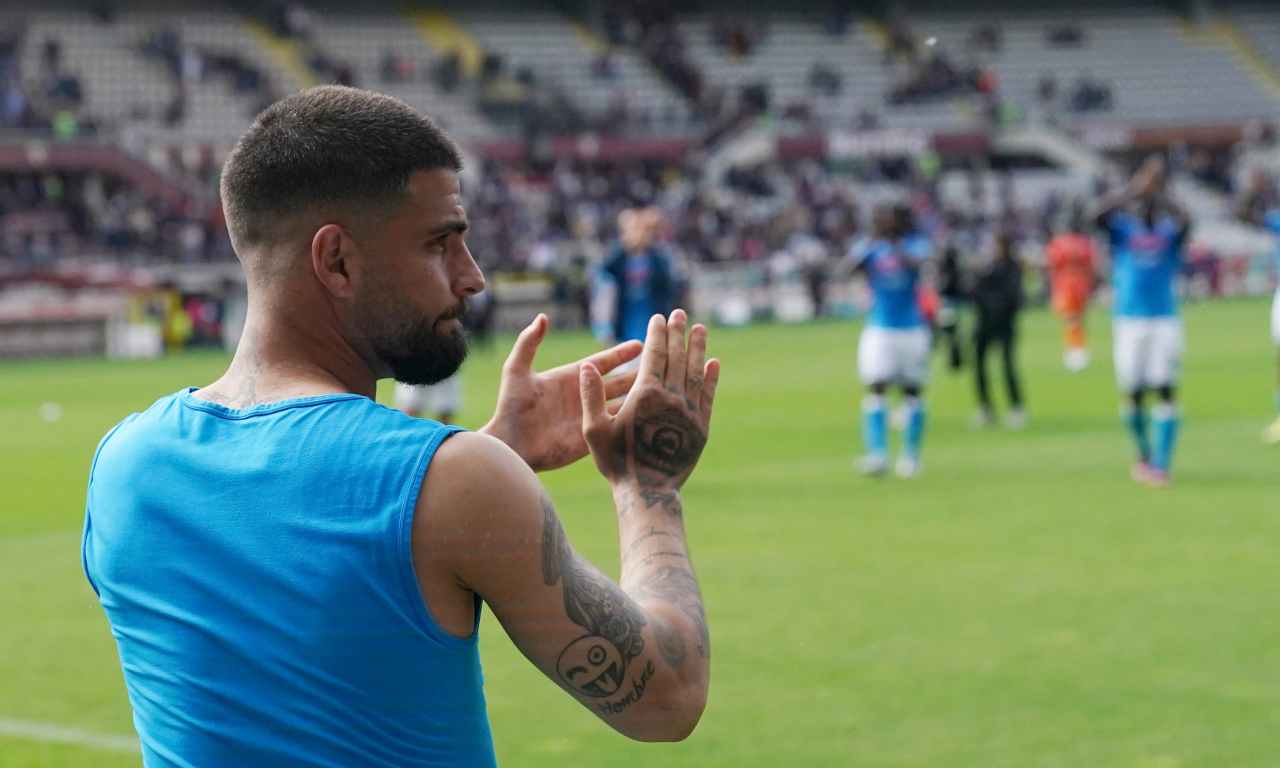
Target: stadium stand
(365, 39)
(1259, 25)
(145, 73)
(1158, 69)
(993, 115)
(615, 88)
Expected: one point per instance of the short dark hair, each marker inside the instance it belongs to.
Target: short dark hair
(328, 145)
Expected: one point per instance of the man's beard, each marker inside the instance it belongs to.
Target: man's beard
(420, 354)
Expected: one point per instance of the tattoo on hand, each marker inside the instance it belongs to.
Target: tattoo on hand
(668, 443)
(595, 664)
(678, 586)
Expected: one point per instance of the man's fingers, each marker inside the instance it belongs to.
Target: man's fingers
(710, 379)
(594, 416)
(676, 359)
(615, 356)
(653, 360)
(526, 346)
(617, 386)
(697, 360)
(615, 407)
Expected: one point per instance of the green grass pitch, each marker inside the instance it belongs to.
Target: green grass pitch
(1020, 604)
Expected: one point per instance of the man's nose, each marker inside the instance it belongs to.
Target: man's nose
(468, 280)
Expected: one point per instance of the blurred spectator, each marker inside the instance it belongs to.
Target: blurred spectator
(103, 11)
(1090, 95)
(396, 68)
(837, 21)
(291, 19)
(604, 67)
(736, 36)
(1064, 36)
(933, 78)
(1047, 89)
(824, 79)
(902, 42)
(447, 71)
(986, 37)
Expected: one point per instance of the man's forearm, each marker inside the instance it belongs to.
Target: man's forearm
(658, 574)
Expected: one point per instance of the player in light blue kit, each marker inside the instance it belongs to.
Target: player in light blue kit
(894, 347)
(1148, 235)
(1262, 208)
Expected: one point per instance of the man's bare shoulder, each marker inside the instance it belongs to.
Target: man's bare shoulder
(474, 480)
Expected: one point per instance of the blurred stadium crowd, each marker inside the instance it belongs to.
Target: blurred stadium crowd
(763, 139)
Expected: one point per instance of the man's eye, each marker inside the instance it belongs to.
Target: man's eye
(437, 244)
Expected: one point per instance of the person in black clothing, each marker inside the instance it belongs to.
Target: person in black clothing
(997, 296)
(952, 292)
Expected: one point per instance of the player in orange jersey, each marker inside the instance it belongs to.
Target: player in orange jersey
(1072, 259)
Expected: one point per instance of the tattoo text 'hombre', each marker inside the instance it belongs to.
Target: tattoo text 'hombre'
(595, 664)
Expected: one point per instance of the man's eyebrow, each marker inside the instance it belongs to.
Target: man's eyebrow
(452, 226)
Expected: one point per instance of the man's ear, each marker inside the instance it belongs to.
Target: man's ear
(331, 260)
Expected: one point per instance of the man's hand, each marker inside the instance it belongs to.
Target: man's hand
(539, 415)
(655, 439)
(1149, 178)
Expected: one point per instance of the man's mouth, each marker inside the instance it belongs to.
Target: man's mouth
(457, 313)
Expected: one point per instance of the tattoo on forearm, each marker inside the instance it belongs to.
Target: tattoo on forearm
(668, 500)
(670, 643)
(652, 533)
(649, 558)
(638, 685)
(595, 664)
(678, 586)
(668, 443)
(553, 541)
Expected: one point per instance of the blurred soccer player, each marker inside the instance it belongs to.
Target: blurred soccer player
(1072, 268)
(1147, 245)
(294, 573)
(440, 401)
(997, 296)
(1261, 208)
(952, 294)
(638, 276)
(894, 347)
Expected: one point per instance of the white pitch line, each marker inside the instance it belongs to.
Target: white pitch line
(59, 734)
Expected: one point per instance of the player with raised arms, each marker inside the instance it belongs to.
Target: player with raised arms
(294, 574)
(893, 350)
(1148, 233)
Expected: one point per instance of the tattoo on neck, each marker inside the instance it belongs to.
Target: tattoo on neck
(594, 665)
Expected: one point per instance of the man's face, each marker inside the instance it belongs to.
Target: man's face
(411, 297)
(882, 221)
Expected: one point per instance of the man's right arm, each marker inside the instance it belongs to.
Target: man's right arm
(636, 653)
(1142, 183)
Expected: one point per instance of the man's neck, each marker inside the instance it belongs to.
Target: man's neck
(278, 359)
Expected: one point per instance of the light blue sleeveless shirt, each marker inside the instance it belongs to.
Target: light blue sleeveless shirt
(256, 569)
